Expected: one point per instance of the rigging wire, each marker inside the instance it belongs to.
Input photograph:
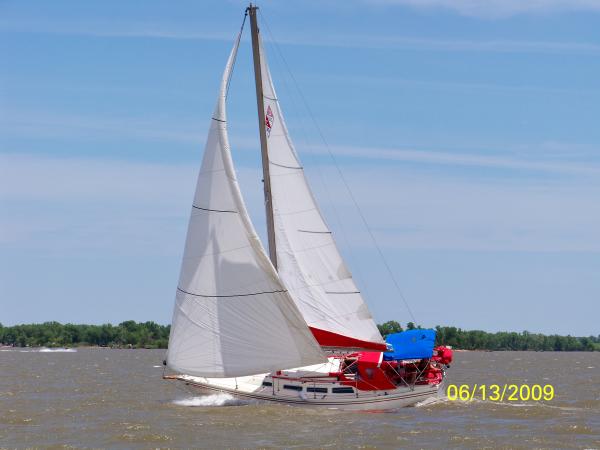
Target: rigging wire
(344, 181)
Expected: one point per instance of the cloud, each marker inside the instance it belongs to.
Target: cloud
(119, 227)
(47, 178)
(38, 124)
(76, 206)
(497, 8)
(463, 159)
(51, 125)
(456, 85)
(112, 29)
(409, 210)
(288, 37)
(445, 44)
(548, 157)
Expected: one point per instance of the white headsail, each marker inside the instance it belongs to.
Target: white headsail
(308, 260)
(232, 316)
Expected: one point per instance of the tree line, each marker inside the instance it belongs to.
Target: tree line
(131, 334)
(502, 340)
(128, 334)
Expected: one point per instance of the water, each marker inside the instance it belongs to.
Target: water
(116, 398)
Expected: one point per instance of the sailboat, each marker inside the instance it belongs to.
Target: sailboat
(289, 326)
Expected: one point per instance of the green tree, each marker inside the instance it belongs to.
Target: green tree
(389, 327)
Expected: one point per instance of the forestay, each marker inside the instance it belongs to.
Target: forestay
(308, 260)
(232, 314)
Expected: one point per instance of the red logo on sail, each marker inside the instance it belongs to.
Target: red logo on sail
(269, 120)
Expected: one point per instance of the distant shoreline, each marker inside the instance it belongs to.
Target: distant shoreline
(150, 335)
(97, 347)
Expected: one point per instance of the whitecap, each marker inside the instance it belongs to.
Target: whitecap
(431, 401)
(57, 350)
(220, 399)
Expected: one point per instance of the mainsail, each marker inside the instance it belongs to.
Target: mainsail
(232, 316)
(308, 260)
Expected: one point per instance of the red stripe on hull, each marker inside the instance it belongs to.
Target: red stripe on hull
(334, 340)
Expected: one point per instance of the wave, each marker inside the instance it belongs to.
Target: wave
(431, 401)
(220, 399)
(39, 350)
(57, 350)
(506, 404)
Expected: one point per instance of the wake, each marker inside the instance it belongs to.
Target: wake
(431, 401)
(220, 399)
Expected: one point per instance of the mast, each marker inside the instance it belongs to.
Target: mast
(260, 106)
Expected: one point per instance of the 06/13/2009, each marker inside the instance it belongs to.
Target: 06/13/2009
(500, 393)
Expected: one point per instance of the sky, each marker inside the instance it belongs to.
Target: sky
(467, 131)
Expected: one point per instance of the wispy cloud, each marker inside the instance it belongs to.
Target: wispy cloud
(445, 44)
(74, 205)
(65, 205)
(46, 124)
(61, 205)
(548, 157)
(322, 39)
(464, 159)
(433, 211)
(47, 178)
(125, 222)
(38, 124)
(456, 85)
(112, 29)
(497, 8)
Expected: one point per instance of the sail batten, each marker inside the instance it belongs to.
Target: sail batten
(250, 294)
(232, 315)
(309, 262)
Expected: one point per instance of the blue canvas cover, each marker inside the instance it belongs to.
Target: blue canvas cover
(410, 344)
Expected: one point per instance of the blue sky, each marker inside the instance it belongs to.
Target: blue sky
(467, 131)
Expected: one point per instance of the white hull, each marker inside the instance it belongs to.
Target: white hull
(251, 388)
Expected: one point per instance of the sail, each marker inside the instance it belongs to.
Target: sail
(232, 314)
(308, 260)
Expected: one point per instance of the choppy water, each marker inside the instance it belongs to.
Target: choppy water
(116, 398)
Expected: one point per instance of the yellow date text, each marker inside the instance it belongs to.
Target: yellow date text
(500, 392)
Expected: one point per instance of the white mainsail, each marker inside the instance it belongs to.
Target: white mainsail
(232, 316)
(308, 260)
